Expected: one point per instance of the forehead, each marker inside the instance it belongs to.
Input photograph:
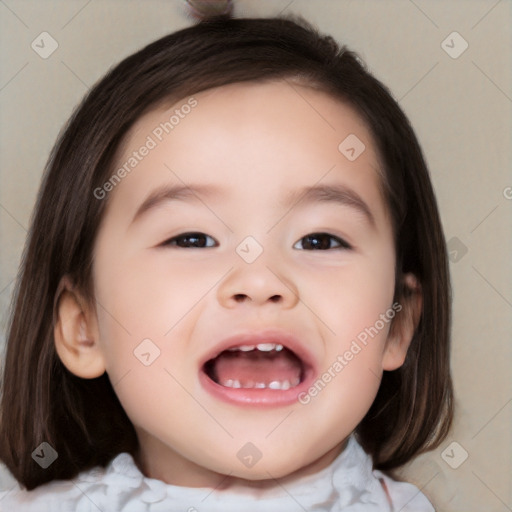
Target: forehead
(260, 137)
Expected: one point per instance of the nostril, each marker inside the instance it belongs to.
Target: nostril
(241, 297)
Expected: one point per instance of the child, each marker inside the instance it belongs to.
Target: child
(235, 292)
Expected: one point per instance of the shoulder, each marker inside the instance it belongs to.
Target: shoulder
(355, 472)
(59, 495)
(404, 496)
(93, 490)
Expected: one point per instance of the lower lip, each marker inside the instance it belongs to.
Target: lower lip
(256, 397)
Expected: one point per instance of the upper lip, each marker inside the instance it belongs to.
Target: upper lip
(284, 338)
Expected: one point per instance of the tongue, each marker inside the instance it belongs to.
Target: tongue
(256, 367)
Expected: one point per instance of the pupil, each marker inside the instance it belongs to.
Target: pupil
(193, 240)
(317, 242)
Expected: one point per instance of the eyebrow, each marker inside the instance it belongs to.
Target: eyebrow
(174, 193)
(339, 194)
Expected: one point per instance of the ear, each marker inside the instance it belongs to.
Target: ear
(404, 324)
(76, 332)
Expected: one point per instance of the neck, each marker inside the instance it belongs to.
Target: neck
(176, 470)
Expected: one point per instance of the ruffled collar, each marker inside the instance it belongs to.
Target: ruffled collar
(349, 484)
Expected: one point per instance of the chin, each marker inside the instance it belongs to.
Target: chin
(270, 471)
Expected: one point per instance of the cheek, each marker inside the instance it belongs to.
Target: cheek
(128, 308)
(352, 308)
(352, 298)
(348, 381)
(147, 295)
(142, 298)
(143, 332)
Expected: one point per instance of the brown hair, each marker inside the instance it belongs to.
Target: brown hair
(83, 419)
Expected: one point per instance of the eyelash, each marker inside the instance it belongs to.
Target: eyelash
(200, 238)
(340, 243)
(174, 242)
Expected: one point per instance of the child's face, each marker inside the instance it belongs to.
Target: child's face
(251, 151)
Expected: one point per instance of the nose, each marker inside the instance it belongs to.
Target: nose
(257, 284)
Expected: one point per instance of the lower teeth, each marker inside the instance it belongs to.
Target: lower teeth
(275, 384)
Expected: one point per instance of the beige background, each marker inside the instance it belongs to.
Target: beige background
(460, 108)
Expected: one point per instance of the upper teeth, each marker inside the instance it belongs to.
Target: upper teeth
(264, 347)
(275, 384)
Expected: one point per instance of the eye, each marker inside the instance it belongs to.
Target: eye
(191, 241)
(321, 242)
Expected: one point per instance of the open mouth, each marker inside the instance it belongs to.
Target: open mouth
(266, 368)
(262, 366)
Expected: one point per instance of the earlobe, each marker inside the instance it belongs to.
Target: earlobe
(404, 325)
(76, 334)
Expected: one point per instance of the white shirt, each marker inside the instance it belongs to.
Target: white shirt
(349, 484)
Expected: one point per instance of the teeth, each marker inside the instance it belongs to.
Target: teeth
(266, 347)
(263, 347)
(275, 384)
(232, 383)
(243, 348)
